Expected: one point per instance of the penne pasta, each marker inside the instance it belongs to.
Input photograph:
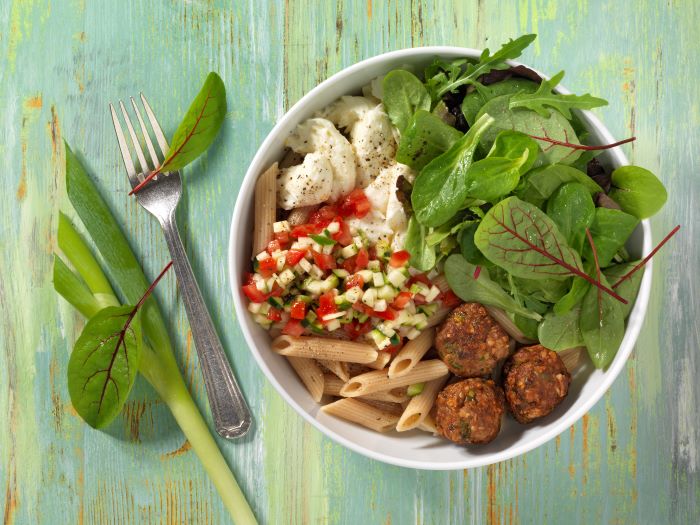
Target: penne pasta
(324, 348)
(508, 325)
(362, 414)
(339, 368)
(439, 316)
(441, 282)
(411, 353)
(378, 381)
(420, 405)
(332, 386)
(382, 359)
(428, 424)
(265, 208)
(573, 358)
(310, 374)
(387, 406)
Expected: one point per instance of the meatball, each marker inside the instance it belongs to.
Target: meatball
(535, 381)
(470, 342)
(470, 411)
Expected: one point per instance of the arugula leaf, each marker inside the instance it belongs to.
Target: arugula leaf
(610, 230)
(572, 209)
(422, 255)
(627, 288)
(544, 96)
(426, 137)
(510, 50)
(539, 184)
(554, 127)
(403, 95)
(638, 191)
(475, 100)
(559, 332)
(103, 365)
(440, 189)
(460, 276)
(602, 325)
(521, 239)
(200, 125)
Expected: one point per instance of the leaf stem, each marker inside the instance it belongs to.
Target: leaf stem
(648, 257)
(582, 146)
(597, 269)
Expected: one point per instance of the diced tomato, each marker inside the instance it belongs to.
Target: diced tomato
(293, 328)
(401, 300)
(298, 310)
(394, 348)
(356, 329)
(388, 315)
(277, 291)
(399, 259)
(267, 266)
(356, 203)
(419, 278)
(323, 260)
(349, 264)
(361, 259)
(303, 230)
(419, 299)
(283, 238)
(344, 237)
(255, 295)
(326, 305)
(449, 299)
(274, 315)
(294, 256)
(323, 216)
(248, 278)
(354, 280)
(273, 246)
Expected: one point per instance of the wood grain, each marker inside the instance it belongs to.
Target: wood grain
(633, 459)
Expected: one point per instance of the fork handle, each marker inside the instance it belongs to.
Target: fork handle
(229, 408)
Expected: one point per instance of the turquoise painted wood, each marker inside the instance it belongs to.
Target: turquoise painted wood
(633, 459)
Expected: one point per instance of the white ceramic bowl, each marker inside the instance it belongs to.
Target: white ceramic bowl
(413, 449)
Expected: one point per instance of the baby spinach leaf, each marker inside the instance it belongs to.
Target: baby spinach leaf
(103, 365)
(544, 96)
(403, 95)
(425, 137)
(440, 189)
(450, 228)
(578, 290)
(469, 250)
(475, 100)
(422, 255)
(602, 325)
(487, 62)
(527, 326)
(629, 288)
(494, 177)
(559, 332)
(460, 276)
(200, 126)
(521, 239)
(544, 290)
(539, 184)
(555, 127)
(638, 191)
(511, 144)
(610, 230)
(572, 209)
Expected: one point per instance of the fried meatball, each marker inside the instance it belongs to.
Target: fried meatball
(535, 381)
(470, 342)
(469, 412)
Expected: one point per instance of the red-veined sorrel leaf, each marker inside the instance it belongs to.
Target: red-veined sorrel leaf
(583, 147)
(197, 130)
(521, 239)
(648, 257)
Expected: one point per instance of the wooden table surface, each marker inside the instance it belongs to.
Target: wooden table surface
(633, 459)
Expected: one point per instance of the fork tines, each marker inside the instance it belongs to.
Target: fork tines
(137, 175)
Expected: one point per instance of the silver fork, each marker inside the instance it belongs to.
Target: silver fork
(160, 197)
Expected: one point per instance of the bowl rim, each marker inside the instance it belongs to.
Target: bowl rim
(634, 320)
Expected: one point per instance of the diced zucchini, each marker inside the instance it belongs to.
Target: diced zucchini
(380, 305)
(378, 279)
(349, 251)
(369, 297)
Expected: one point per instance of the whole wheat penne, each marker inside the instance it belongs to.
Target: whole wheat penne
(265, 208)
(324, 348)
(420, 405)
(439, 316)
(508, 325)
(387, 406)
(362, 414)
(310, 374)
(411, 353)
(338, 368)
(332, 386)
(382, 359)
(378, 380)
(428, 424)
(573, 358)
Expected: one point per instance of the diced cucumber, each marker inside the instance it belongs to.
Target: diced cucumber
(280, 263)
(262, 320)
(313, 286)
(254, 308)
(419, 288)
(333, 325)
(369, 297)
(378, 279)
(420, 321)
(341, 273)
(303, 298)
(386, 329)
(276, 302)
(316, 272)
(305, 241)
(286, 277)
(366, 275)
(305, 265)
(333, 227)
(397, 277)
(310, 316)
(386, 292)
(432, 294)
(413, 333)
(379, 339)
(380, 305)
(281, 226)
(395, 339)
(362, 317)
(330, 282)
(262, 255)
(375, 266)
(415, 389)
(354, 294)
(428, 309)
(264, 308)
(349, 251)
(359, 241)
(334, 315)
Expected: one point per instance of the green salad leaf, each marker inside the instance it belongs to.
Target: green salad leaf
(539, 184)
(511, 145)
(544, 96)
(422, 254)
(638, 191)
(559, 332)
(468, 249)
(425, 137)
(460, 276)
(627, 288)
(610, 230)
(440, 189)
(403, 95)
(602, 325)
(475, 100)
(571, 208)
